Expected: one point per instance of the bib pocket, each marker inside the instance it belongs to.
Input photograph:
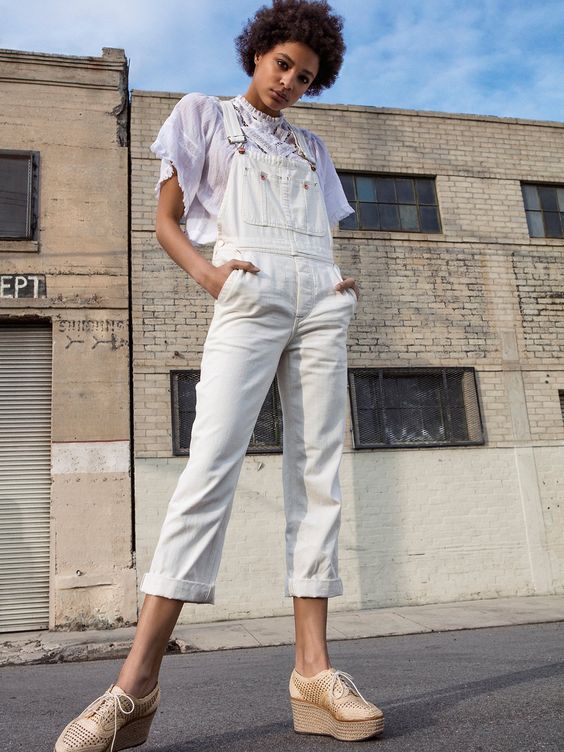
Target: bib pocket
(284, 199)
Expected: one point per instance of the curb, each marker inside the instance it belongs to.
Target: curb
(28, 648)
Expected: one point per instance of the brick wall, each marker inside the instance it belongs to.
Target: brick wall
(481, 293)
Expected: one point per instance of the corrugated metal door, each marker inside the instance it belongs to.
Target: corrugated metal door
(25, 475)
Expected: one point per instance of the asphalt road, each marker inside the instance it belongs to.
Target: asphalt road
(481, 690)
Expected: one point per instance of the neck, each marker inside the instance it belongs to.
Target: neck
(251, 95)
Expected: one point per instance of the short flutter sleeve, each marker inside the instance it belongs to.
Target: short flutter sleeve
(336, 202)
(180, 143)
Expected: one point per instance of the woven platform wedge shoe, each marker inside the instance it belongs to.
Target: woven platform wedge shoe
(330, 703)
(113, 721)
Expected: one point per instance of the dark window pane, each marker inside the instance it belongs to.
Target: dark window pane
(347, 181)
(267, 432)
(428, 407)
(369, 427)
(369, 217)
(365, 188)
(389, 217)
(560, 192)
(535, 223)
(386, 190)
(349, 223)
(552, 224)
(405, 191)
(429, 219)
(548, 199)
(425, 191)
(413, 409)
(457, 405)
(531, 197)
(183, 395)
(408, 216)
(15, 197)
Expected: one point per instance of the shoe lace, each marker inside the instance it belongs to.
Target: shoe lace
(337, 679)
(101, 712)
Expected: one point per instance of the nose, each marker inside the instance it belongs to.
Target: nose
(287, 81)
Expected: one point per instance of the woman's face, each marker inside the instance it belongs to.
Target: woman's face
(281, 76)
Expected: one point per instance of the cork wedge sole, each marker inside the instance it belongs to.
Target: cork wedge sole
(133, 734)
(311, 719)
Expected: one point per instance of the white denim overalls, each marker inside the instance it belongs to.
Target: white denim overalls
(287, 320)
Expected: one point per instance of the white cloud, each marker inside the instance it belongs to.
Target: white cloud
(500, 57)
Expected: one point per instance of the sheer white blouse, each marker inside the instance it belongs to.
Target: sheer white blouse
(193, 140)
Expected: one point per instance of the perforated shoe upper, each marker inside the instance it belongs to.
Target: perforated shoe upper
(335, 691)
(99, 722)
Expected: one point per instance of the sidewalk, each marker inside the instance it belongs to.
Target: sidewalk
(18, 648)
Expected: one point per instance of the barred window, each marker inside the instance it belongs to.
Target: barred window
(18, 194)
(392, 203)
(414, 407)
(544, 207)
(267, 434)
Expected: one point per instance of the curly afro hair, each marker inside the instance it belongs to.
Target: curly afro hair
(311, 23)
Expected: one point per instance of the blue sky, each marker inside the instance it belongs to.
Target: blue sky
(491, 57)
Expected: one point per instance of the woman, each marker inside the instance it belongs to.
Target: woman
(267, 193)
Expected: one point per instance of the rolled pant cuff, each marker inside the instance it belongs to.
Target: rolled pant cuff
(314, 588)
(182, 590)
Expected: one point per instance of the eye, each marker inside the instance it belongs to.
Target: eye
(282, 62)
(305, 79)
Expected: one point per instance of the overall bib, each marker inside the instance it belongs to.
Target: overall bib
(287, 320)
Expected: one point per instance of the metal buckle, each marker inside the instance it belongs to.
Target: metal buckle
(236, 139)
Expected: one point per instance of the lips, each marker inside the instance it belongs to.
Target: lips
(279, 96)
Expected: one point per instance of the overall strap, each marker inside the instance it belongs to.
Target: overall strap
(302, 144)
(236, 136)
(231, 122)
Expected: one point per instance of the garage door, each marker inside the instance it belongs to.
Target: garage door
(25, 480)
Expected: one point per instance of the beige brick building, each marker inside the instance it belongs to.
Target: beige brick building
(452, 473)
(65, 484)
(471, 504)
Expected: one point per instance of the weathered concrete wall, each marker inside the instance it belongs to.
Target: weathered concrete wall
(419, 525)
(73, 111)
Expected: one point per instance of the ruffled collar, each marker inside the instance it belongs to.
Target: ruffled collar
(272, 135)
(262, 117)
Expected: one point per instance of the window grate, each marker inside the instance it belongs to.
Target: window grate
(391, 203)
(267, 436)
(414, 407)
(561, 398)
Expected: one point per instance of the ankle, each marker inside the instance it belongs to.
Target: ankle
(136, 685)
(309, 668)
(137, 689)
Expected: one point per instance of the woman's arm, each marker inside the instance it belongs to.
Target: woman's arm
(174, 241)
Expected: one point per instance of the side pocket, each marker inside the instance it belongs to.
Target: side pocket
(221, 255)
(348, 290)
(227, 285)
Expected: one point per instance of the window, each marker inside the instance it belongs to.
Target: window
(395, 204)
(267, 434)
(544, 207)
(414, 407)
(18, 194)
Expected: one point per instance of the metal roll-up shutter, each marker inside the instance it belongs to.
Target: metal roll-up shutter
(25, 475)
